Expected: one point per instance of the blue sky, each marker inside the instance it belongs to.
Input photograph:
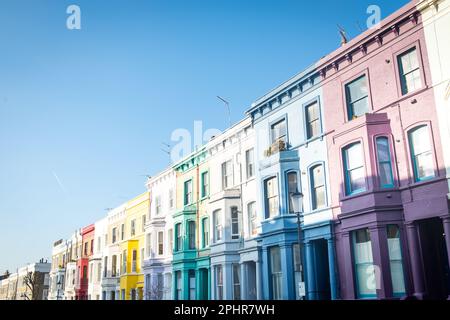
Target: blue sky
(83, 113)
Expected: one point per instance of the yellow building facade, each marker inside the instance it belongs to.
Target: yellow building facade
(133, 248)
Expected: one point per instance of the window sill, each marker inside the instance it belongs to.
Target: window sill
(423, 182)
(354, 195)
(408, 95)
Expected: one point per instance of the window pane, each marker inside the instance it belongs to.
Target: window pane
(354, 169)
(424, 165)
(234, 223)
(236, 282)
(251, 218)
(249, 156)
(217, 225)
(271, 197)
(275, 261)
(191, 234)
(422, 156)
(360, 107)
(319, 197)
(384, 162)
(409, 71)
(354, 156)
(383, 149)
(357, 179)
(396, 263)
(385, 174)
(357, 97)
(357, 89)
(205, 232)
(313, 121)
(318, 187)
(276, 273)
(279, 131)
(292, 182)
(318, 177)
(365, 271)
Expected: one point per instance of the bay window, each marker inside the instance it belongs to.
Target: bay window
(271, 197)
(292, 180)
(251, 211)
(217, 220)
(235, 223)
(191, 234)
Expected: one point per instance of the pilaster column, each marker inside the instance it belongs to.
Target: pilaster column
(198, 284)
(332, 269)
(310, 272)
(347, 275)
(416, 260)
(446, 223)
(227, 281)
(259, 285)
(185, 287)
(174, 284)
(244, 281)
(264, 272)
(287, 269)
(212, 281)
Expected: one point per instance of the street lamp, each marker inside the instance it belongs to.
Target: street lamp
(296, 199)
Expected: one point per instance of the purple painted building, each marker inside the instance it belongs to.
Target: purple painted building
(388, 180)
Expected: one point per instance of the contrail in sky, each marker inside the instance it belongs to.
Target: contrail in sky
(59, 183)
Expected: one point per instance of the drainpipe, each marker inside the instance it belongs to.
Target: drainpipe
(240, 196)
(197, 213)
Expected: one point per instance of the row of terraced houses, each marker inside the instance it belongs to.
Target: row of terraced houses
(335, 185)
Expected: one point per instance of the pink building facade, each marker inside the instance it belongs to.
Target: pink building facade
(388, 183)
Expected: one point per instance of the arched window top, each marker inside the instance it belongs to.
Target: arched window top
(317, 181)
(354, 170)
(384, 162)
(421, 153)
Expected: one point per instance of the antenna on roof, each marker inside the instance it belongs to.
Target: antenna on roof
(343, 35)
(166, 148)
(227, 104)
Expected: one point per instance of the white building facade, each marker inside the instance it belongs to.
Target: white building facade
(111, 255)
(58, 271)
(232, 209)
(159, 237)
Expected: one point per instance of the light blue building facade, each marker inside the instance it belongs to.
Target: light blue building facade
(291, 155)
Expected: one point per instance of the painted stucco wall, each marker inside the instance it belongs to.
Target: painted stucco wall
(436, 24)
